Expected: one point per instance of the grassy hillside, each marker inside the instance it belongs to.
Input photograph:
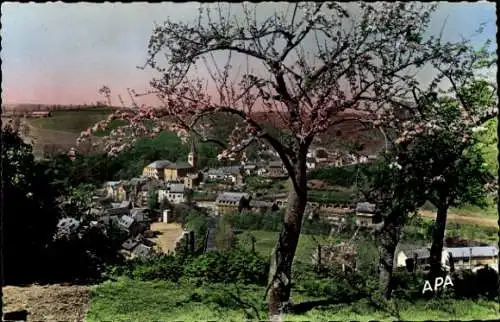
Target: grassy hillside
(70, 121)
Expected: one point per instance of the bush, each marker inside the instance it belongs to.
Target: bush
(472, 285)
(333, 283)
(160, 267)
(337, 176)
(231, 266)
(198, 223)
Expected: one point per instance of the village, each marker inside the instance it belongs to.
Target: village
(221, 191)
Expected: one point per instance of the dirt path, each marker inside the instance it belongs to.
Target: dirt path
(480, 221)
(168, 235)
(48, 302)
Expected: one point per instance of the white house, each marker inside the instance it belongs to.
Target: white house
(173, 192)
(311, 163)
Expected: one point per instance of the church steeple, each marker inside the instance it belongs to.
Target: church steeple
(192, 155)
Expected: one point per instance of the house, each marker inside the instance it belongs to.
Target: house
(262, 206)
(118, 209)
(231, 174)
(310, 163)
(129, 224)
(205, 200)
(142, 251)
(177, 171)
(137, 247)
(40, 114)
(250, 169)
(130, 243)
(173, 192)
(332, 213)
(281, 199)
(365, 214)
(414, 257)
(193, 180)
(171, 171)
(68, 225)
(275, 169)
(472, 257)
(115, 190)
(456, 257)
(140, 214)
(108, 219)
(230, 202)
(156, 169)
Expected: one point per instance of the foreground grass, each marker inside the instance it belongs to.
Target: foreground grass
(127, 299)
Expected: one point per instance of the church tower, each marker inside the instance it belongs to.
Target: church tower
(192, 156)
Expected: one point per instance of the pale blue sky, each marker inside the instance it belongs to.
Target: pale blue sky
(56, 53)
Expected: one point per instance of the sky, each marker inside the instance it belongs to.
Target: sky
(60, 53)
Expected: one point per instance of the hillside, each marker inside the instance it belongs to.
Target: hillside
(60, 131)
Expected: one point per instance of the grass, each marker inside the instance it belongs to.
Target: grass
(133, 300)
(490, 211)
(70, 121)
(266, 240)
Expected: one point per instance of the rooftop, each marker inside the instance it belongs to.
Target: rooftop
(231, 196)
(176, 187)
(478, 251)
(159, 164)
(365, 207)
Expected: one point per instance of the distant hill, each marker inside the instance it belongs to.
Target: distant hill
(60, 130)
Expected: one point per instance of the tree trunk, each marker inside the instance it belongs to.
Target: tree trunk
(280, 273)
(388, 241)
(438, 237)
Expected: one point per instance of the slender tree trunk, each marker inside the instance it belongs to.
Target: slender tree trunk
(280, 274)
(388, 241)
(438, 236)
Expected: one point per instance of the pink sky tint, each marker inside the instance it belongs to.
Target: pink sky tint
(59, 53)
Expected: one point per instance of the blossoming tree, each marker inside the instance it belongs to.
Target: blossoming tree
(316, 65)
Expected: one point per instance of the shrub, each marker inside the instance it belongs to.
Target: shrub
(231, 266)
(472, 285)
(160, 267)
(332, 283)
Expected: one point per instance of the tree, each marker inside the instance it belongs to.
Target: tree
(30, 216)
(153, 200)
(359, 68)
(460, 172)
(104, 90)
(224, 237)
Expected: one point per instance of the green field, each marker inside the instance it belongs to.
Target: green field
(132, 300)
(70, 121)
(266, 240)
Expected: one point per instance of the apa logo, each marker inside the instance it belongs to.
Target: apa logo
(438, 281)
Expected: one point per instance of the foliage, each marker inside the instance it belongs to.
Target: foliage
(199, 224)
(344, 176)
(29, 210)
(161, 267)
(224, 237)
(229, 266)
(270, 221)
(487, 144)
(153, 200)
